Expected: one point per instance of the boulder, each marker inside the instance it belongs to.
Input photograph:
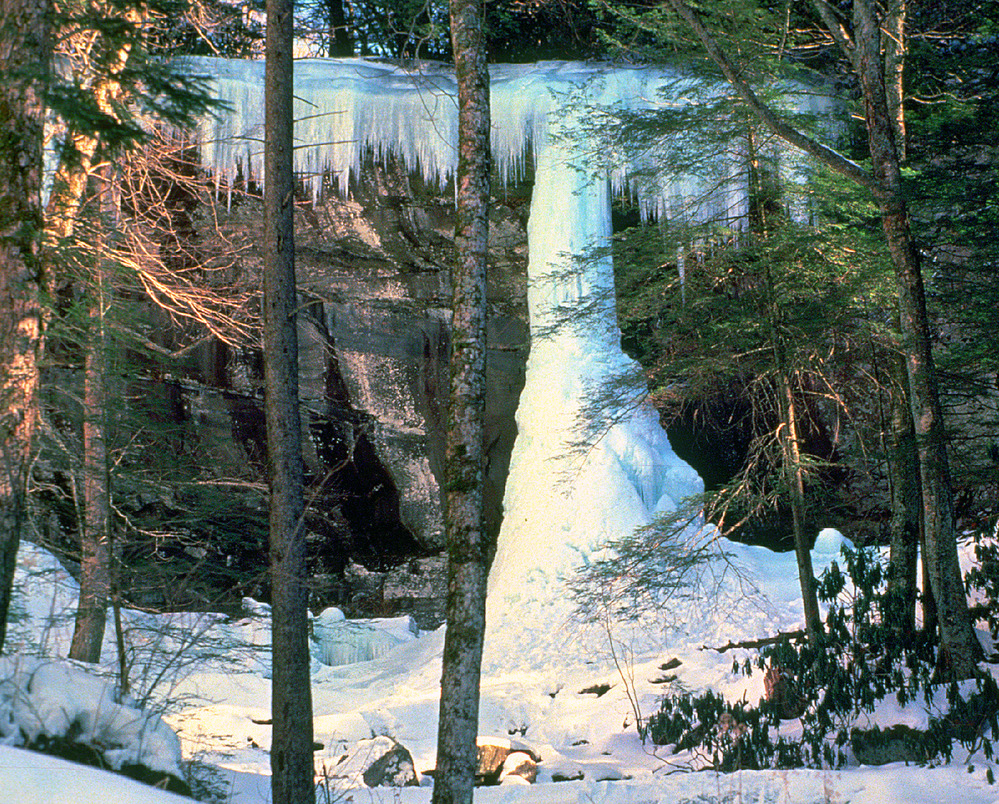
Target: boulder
(494, 753)
(392, 768)
(518, 766)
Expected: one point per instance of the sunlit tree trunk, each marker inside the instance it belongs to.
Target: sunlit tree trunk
(73, 175)
(467, 543)
(292, 773)
(894, 58)
(95, 537)
(794, 476)
(24, 52)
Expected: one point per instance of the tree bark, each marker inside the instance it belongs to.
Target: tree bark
(894, 49)
(759, 198)
(24, 53)
(292, 770)
(339, 33)
(95, 537)
(960, 650)
(467, 543)
(906, 495)
(69, 189)
(795, 480)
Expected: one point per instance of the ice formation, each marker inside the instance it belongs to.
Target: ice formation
(337, 641)
(347, 106)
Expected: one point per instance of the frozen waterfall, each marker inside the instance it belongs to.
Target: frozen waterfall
(629, 474)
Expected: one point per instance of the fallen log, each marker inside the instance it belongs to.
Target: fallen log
(784, 636)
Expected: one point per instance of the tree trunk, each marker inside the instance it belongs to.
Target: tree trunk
(903, 481)
(760, 197)
(24, 52)
(73, 171)
(69, 188)
(292, 771)
(339, 33)
(960, 650)
(793, 473)
(95, 537)
(795, 480)
(894, 29)
(467, 543)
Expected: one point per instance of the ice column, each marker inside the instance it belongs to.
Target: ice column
(559, 507)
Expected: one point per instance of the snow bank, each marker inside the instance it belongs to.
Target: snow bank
(30, 778)
(42, 700)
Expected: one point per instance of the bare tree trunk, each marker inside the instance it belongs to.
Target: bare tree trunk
(894, 49)
(69, 189)
(95, 537)
(759, 197)
(795, 480)
(467, 543)
(960, 650)
(903, 481)
(292, 770)
(24, 53)
(339, 32)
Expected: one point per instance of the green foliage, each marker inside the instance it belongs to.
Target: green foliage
(516, 31)
(953, 128)
(982, 580)
(828, 686)
(772, 41)
(725, 736)
(119, 43)
(214, 28)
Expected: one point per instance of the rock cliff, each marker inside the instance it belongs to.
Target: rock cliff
(374, 337)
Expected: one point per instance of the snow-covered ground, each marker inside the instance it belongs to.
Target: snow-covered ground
(219, 705)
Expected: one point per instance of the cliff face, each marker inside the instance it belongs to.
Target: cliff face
(374, 337)
(378, 335)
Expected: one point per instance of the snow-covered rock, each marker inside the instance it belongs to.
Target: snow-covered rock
(45, 701)
(378, 762)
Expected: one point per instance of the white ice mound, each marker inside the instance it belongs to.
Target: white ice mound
(337, 641)
(830, 542)
(562, 506)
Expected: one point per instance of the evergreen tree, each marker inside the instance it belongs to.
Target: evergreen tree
(292, 772)
(876, 70)
(109, 50)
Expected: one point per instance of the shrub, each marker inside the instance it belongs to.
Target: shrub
(862, 659)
